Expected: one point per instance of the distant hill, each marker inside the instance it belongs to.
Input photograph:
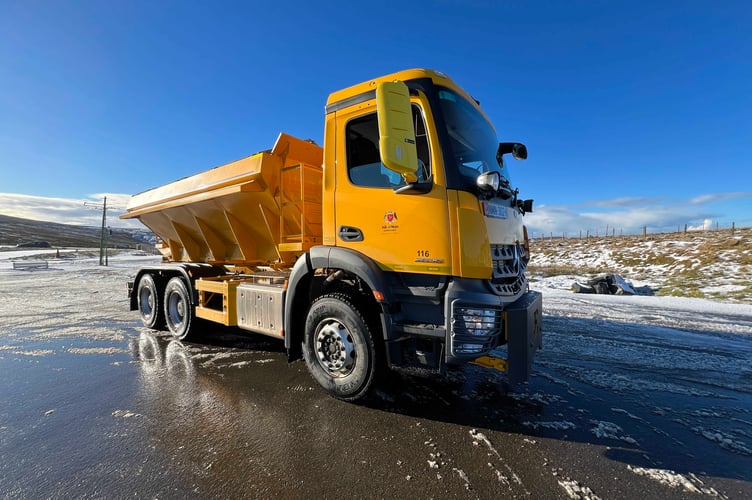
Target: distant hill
(17, 231)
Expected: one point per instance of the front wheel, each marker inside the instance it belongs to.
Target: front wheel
(178, 310)
(338, 347)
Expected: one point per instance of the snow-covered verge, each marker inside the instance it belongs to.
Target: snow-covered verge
(74, 258)
(688, 313)
(715, 265)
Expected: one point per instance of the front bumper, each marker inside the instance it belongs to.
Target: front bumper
(477, 322)
(524, 337)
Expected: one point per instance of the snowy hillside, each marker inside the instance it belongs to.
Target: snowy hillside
(706, 264)
(15, 231)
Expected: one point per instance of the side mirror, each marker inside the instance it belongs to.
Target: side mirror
(396, 133)
(518, 150)
(489, 182)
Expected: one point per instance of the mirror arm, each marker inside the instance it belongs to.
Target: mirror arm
(415, 187)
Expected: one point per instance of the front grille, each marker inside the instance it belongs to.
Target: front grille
(509, 265)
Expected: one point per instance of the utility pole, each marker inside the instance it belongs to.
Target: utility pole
(103, 257)
(103, 236)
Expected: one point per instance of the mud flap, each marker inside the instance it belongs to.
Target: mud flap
(523, 322)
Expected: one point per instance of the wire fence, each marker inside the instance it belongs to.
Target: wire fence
(613, 232)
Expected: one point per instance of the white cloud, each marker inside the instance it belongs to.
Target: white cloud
(80, 212)
(623, 202)
(631, 215)
(710, 198)
(706, 224)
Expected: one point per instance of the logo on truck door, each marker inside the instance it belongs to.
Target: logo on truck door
(390, 221)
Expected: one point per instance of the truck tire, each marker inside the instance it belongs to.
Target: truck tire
(178, 311)
(150, 303)
(338, 347)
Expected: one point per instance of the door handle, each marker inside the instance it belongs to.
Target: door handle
(349, 234)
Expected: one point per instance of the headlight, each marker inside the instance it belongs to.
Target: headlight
(475, 330)
(477, 322)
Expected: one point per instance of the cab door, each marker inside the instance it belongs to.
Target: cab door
(407, 232)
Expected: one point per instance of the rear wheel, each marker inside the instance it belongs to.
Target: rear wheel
(178, 310)
(150, 303)
(338, 347)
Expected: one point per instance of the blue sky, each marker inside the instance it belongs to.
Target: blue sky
(635, 113)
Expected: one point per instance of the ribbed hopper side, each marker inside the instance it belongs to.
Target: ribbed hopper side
(239, 213)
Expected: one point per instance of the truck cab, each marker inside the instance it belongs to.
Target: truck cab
(450, 230)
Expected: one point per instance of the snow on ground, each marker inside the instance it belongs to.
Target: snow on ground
(674, 312)
(75, 258)
(558, 299)
(691, 484)
(710, 264)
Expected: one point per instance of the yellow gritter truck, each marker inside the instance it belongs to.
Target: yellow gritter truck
(400, 243)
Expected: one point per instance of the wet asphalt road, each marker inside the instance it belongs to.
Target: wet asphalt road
(94, 406)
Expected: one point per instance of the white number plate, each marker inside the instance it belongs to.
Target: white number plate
(495, 211)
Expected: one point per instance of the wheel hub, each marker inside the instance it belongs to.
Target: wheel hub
(335, 349)
(176, 311)
(147, 302)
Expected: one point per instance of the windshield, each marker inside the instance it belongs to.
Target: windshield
(473, 140)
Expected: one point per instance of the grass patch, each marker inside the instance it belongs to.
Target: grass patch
(660, 259)
(629, 261)
(742, 295)
(680, 291)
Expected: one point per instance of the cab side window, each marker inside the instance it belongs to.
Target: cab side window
(363, 159)
(364, 165)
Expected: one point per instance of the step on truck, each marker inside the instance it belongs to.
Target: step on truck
(400, 243)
